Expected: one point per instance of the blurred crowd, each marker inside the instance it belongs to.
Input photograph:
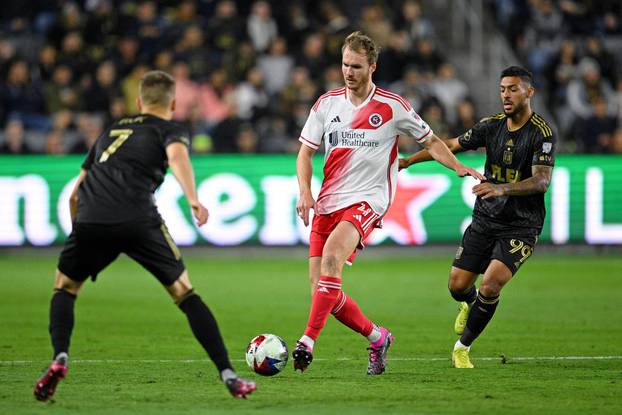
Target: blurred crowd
(574, 49)
(248, 72)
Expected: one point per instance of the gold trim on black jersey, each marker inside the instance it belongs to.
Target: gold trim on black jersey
(542, 125)
(498, 116)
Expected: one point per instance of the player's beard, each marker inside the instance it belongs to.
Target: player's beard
(517, 110)
(357, 84)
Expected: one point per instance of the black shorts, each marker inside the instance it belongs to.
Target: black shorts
(92, 247)
(477, 249)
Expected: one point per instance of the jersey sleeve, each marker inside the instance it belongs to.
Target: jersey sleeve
(475, 137)
(409, 123)
(175, 133)
(313, 131)
(544, 149)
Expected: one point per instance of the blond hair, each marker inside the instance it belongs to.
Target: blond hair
(157, 89)
(361, 43)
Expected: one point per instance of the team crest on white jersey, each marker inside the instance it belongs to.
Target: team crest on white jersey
(375, 119)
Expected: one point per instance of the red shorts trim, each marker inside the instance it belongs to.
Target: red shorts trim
(361, 215)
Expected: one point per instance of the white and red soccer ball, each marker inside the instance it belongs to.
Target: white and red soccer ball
(267, 354)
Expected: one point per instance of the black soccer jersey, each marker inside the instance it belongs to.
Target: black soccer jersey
(124, 168)
(509, 158)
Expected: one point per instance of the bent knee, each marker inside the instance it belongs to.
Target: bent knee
(63, 282)
(460, 281)
(490, 288)
(330, 264)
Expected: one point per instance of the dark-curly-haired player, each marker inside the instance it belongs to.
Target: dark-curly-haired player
(509, 210)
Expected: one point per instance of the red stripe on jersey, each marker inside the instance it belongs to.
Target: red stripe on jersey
(331, 93)
(391, 95)
(425, 135)
(334, 170)
(372, 116)
(309, 142)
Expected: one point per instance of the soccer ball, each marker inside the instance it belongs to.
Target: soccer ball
(267, 354)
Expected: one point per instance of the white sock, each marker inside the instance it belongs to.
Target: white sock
(227, 374)
(375, 335)
(459, 345)
(308, 341)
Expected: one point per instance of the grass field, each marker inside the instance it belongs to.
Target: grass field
(553, 347)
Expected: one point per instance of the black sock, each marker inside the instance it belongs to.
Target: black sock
(205, 330)
(468, 296)
(61, 320)
(481, 313)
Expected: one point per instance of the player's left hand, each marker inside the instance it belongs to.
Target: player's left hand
(463, 170)
(200, 213)
(486, 190)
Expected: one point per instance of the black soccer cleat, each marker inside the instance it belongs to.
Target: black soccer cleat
(303, 356)
(240, 388)
(46, 385)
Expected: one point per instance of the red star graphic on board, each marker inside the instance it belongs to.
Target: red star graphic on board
(403, 222)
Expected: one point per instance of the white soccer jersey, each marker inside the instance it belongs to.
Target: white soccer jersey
(361, 146)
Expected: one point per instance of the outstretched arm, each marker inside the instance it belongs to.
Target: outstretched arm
(179, 161)
(537, 183)
(439, 151)
(304, 171)
(424, 155)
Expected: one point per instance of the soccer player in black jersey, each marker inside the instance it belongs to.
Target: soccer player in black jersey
(113, 212)
(509, 209)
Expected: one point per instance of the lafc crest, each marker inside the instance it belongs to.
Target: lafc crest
(508, 152)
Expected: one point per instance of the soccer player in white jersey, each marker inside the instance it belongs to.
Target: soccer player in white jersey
(359, 124)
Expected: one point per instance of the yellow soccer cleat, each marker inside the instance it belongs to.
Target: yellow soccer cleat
(461, 318)
(460, 358)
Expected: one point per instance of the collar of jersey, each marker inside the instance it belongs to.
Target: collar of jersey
(362, 104)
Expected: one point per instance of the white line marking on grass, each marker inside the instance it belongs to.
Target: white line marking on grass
(408, 359)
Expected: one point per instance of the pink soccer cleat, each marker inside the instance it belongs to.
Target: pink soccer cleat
(378, 353)
(46, 385)
(240, 388)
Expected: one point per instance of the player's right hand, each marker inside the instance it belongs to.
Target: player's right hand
(200, 213)
(304, 205)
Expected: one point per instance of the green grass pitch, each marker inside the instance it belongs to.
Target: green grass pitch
(553, 347)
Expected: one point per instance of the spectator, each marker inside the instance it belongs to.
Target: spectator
(262, 28)
(393, 59)
(466, 118)
(427, 58)
(191, 49)
(336, 27)
(225, 133)
(14, 138)
(246, 140)
(594, 133)
(90, 127)
(225, 29)
(213, 97)
(413, 23)
(276, 66)
(449, 90)
(412, 87)
(251, 97)
(22, 98)
(300, 89)
(186, 91)
(375, 24)
(582, 92)
(313, 55)
(61, 93)
(100, 94)
(129, 86)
